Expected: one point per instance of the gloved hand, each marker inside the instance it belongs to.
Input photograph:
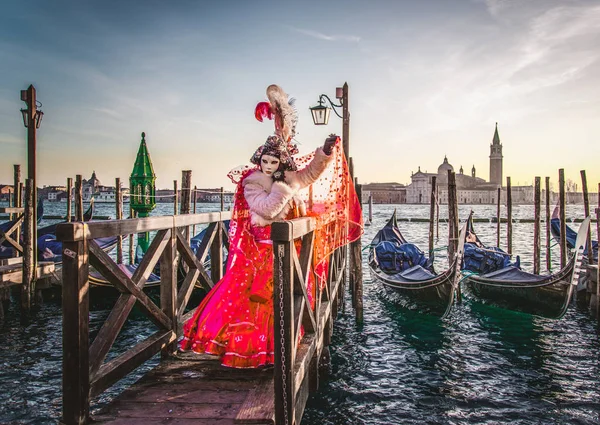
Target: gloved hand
(330, 143)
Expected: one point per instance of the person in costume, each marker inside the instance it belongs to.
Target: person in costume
(235, 319)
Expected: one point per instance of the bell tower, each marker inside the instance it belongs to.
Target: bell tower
(496, 159)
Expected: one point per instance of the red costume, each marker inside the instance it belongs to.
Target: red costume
(235, 320)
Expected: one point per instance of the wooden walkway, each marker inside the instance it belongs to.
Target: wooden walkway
(185, 388)
(195, 390)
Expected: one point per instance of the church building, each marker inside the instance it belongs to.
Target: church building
(470, 188)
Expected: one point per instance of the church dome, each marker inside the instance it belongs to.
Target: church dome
(444, 167)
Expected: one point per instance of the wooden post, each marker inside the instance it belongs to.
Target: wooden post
(498, 217)
(508, 216)
(432, 214)
(186, 184)
(29, 268)
(18, 199)
(75, 308)
(437, 216)
(346, 122)
(184, 208)
(132, 214)
(69, 198)
(216, 254)
(350, 265)
(548, 239)
(29, 96)
(355, 249)
(284, 323)
(598, 268)
(17, 195)
(563, 223)
(175, 197)
(222, 199)
(194, 197)
(168, 286)
(370, 208)
(452, 217)
(536, 226)
(78, 198)
(586, 208)
(119, 216)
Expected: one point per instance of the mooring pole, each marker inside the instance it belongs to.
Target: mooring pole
(536, 227)
(508, 216)
(498, 220)
(586, 208)
(548, 250)
(119, 216)
(563, 218)
(432, 214)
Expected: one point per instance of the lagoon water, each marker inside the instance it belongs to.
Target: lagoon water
(482, 365)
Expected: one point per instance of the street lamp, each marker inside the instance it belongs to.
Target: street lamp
(37, 118)
(320, 113)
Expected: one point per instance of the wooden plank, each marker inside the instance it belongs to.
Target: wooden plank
(12, 274)
(11, 210)
(119, 367)
(293, 229)
(108, 228)
(259, 406)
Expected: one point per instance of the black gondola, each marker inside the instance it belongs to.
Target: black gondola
(540, 295)
(419, 284)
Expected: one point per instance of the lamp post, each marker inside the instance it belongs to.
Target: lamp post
(142, 188)
(32, 118)
(320, 114)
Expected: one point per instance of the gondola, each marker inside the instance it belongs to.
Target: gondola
(541, 295)
(571, 234)
(154, 279)
(403, 270)
(50, 249)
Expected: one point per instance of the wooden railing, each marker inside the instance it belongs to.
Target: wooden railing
(297, 359)
(85, 372)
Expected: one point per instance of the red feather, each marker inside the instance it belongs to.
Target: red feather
(263, 110)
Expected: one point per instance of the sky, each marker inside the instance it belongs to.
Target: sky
(426, 79)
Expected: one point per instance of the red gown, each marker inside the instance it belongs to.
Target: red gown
(235, 319)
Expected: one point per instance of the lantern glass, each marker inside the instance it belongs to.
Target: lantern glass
(38, 118)
(25, 113)
(320, 114)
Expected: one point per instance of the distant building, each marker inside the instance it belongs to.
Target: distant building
(470, 188)
(384, 193)
(6, 191)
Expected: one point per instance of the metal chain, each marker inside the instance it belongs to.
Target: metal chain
(280, 253)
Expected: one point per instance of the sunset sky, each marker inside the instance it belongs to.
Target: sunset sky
(426, 79)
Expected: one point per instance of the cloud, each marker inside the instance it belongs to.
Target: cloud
(321, 36)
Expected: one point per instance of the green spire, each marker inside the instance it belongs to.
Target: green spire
(496, 140)
(143, 164)
(142, 182)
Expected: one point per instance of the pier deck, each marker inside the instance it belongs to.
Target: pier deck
(195, 389)
(12, 273)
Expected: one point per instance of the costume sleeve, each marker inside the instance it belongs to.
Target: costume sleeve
(267, 205)
(309, 174)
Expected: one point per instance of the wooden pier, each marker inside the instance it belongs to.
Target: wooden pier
(191, 389)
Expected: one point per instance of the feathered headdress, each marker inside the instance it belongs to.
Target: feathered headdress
(282, 110)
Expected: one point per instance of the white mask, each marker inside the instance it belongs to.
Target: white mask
(269, 164)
